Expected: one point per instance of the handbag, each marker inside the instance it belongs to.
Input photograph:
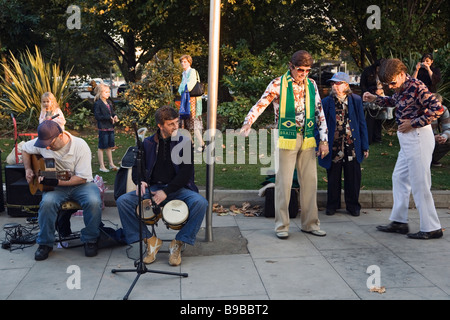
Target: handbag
(198, 89)
(185, 106)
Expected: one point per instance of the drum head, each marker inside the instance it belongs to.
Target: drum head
(148, 215)
(175, 212)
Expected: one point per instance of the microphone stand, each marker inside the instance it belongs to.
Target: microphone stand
(141, 268)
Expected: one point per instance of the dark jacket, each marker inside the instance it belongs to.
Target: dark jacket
(103, 114)
(431, 82)
(357, 125)
(184, 176)
(368, 82)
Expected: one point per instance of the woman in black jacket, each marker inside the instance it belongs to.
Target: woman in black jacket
(427, 73)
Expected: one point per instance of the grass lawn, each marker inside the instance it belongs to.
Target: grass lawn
(376, 170)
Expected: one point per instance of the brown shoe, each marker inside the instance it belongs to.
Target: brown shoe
(175, 252)
(153, 245)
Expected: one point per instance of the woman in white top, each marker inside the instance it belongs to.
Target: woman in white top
(194, 123)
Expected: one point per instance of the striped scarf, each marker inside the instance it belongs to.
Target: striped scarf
(286, 122)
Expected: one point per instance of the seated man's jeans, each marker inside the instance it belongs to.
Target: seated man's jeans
(88, 197)
(127, 203)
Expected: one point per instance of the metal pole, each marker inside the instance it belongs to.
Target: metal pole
(213, 85)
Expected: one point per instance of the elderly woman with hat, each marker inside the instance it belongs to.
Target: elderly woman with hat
(348, 140)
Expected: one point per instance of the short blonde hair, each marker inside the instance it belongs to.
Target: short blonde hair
(99, 89)
(187, 57)
(51, 97)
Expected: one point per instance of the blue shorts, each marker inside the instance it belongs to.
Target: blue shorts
(106, 139)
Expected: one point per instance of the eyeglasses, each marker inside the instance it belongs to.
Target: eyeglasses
(392, 83)
(302, 70)
(338, 83)
(51, 145)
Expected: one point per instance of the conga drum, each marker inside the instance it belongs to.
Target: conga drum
(175, 214)
(148, 212)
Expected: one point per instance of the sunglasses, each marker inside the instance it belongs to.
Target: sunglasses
(51, 145)
(392, 83)
(338, 83)
(300, 69)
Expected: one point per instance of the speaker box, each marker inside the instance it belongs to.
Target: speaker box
(269, 203)
(19, 201)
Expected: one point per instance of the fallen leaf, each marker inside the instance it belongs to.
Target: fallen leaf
(246, 205)
(380, 290)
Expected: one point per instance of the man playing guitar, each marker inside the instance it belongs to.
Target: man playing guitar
(70, 154)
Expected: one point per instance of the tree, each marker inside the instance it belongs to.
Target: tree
(135, 30)
(406, 25)
(17, 22)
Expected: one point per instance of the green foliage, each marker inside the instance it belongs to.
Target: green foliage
(80, 119)
(30, 76)
(154, 90)
(411, 61)
(234, 112)
(246, 77)
(442, 61)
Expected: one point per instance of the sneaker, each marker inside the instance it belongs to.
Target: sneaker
(318, 233)
(42, 252)
(282, 234)
(175, 252)
(90, 249)
(153, 246)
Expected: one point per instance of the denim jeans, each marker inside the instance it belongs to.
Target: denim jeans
(87, 195)
(127, 203)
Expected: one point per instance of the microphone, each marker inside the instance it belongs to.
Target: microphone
(55, 116)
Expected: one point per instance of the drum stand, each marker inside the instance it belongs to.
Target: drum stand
(141, 268)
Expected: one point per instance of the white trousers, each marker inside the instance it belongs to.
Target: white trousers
(412, 174)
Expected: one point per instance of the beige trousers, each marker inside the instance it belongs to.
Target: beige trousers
(305, 162)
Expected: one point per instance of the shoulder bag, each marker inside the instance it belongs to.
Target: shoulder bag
(198, 89)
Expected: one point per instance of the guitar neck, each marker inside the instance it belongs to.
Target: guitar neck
(61, 175)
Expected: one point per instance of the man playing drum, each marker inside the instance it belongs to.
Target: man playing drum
(165, 178)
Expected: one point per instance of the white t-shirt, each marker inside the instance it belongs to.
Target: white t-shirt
(74, 156)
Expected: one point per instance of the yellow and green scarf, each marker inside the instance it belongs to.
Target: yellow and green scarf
(286, 121)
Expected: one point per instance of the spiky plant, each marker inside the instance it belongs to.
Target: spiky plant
(29, 77)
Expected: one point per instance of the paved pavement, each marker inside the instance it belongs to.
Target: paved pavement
(245, 261)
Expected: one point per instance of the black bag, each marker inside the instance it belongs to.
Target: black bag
(269, 204)
(198, 89)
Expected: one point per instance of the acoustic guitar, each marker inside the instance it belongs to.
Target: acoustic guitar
(45, 167)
